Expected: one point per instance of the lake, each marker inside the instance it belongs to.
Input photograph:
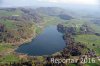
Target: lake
(46, 43)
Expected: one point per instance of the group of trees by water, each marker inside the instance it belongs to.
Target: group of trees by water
(74, 48)
(75, 30)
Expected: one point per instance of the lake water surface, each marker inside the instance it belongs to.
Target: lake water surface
(48, 42)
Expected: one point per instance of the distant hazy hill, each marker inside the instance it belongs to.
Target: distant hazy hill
(35, 14)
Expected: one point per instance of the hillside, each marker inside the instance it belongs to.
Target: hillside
(20, 25)
(17, 24)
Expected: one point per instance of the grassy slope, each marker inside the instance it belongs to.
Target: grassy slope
(89, 40)
(4, 47)
(7, 57)
(8, 23)
(10, 13)
(51, 20)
